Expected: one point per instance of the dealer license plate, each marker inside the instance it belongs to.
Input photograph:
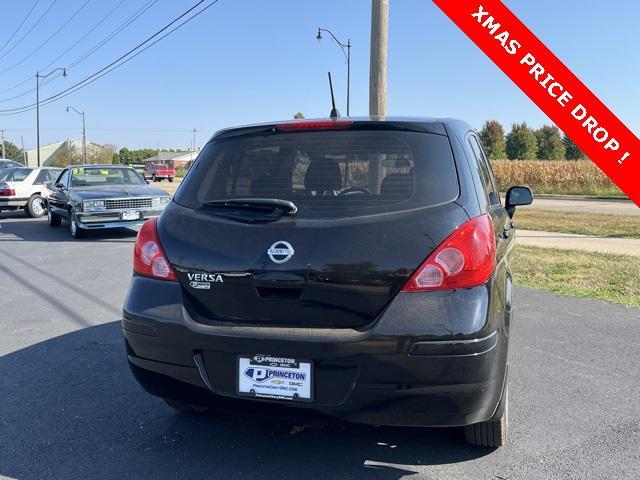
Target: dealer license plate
(282, 378)
(130, 215)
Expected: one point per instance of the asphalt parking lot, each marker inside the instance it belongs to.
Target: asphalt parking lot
(69, 407)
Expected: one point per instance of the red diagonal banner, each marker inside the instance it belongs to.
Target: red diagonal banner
(551, 86)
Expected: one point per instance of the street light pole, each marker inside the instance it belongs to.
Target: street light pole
(38, 116)
(84, 134)
(38, 77)
(347, 55)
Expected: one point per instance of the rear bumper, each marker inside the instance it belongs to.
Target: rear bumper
(13, 202)
(396, 372)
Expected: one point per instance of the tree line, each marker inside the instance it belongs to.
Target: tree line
(525, 143)
(521, 143)
(106, 154)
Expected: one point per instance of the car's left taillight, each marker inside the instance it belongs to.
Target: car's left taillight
(149, 258)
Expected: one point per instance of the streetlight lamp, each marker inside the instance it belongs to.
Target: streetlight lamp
(38, 77)
(84, 134)
(347, 56)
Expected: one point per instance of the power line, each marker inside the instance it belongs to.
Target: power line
(29, 31)
(30, 78)
(91, 30)
(84, 56)
(48, 39)
(118, 62)
(111, 36)
(20, 26)
(114, 65)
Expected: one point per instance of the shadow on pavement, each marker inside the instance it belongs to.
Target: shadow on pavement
(70, 409)
(16, 226)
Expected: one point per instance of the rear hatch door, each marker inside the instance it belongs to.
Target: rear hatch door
(371, 206)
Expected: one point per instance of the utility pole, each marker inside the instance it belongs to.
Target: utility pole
(194, 143)
(38, 117)
(2, 137)
(378, 61)
(84, 138)
(24, 152)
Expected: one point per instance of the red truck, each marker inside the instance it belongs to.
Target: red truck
(159, 171)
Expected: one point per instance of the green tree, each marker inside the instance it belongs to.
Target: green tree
(521, 142)
(12, 152)
(492, 137)
(299, 116)
(572, 151)
(550, 146)
(135, 156)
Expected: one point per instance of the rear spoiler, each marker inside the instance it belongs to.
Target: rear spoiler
(433, 127)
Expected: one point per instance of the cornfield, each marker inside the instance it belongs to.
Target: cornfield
(580, 177)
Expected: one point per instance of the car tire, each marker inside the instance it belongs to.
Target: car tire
(76, 231)
(493, 433)
(184, 407)
(54, 219)
(35, 207)
(154, 178)
(170, 179)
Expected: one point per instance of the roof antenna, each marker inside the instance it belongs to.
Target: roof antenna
(334, 111)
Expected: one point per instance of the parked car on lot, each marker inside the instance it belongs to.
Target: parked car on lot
(159, 171)
(22, 187)
(92, 197)
(9, 164)
(358, 267)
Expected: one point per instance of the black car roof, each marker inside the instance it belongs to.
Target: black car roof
(420, 124)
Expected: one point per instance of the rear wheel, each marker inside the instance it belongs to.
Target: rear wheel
(154, 178)
(54, 220)
(184, 407)
(76, 231)
(35, 207)
(170, 179)
(493, 433)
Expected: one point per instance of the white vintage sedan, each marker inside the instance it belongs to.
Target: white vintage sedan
(21, 188)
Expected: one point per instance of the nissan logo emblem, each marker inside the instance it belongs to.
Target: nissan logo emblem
(280, 251)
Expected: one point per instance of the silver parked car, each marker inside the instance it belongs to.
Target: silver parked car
(91, 197)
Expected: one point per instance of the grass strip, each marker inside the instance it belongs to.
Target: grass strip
(613, 278)
(615, 226)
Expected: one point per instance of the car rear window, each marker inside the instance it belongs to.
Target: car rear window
(327, 174)
(14, 174)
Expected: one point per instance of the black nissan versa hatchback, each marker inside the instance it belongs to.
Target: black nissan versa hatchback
(358, 267)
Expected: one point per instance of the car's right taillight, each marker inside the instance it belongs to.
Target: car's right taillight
(149, 258)
(7, 192)
(465, 259)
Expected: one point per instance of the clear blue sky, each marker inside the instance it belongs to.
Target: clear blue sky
(246, 61)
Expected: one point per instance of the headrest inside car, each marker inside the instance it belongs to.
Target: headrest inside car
(323, 176)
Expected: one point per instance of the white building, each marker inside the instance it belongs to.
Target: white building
(49, 152)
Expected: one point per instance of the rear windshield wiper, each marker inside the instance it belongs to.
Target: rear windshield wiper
(255, 204)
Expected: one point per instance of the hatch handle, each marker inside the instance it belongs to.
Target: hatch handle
(279, 280)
